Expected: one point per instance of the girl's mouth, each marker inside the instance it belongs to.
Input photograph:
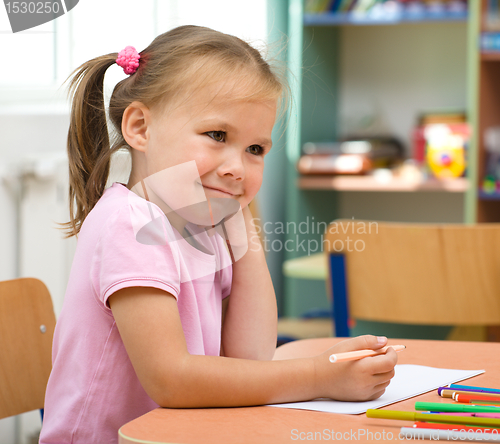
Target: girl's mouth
(220, 191)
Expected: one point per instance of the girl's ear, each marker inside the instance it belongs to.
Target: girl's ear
(135, 121)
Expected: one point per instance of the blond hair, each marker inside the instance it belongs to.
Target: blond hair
(175, 64)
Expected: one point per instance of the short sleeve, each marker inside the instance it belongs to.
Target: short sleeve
(133, 251)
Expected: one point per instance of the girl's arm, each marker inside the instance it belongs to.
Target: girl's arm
(151, 330)
(249, 327)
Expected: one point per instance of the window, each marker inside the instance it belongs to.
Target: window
(36, 62)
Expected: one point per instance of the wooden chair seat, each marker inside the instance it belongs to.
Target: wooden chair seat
(27, 323)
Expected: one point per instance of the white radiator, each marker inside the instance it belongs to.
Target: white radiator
(44, 253)
(33, 198)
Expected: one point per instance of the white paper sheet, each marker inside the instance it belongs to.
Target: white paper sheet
(409, 381)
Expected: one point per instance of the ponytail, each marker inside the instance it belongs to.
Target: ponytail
(89, 150)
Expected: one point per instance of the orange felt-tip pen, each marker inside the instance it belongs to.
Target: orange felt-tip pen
(360, 354)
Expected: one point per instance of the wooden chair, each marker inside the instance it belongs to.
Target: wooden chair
(27, 324)
(414, 274)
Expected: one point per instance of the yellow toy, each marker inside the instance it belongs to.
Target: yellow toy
(445, 151)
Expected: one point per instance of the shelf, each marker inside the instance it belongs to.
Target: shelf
(369, 183)
(341, 19)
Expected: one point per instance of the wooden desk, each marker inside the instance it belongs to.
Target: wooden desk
(276, 425)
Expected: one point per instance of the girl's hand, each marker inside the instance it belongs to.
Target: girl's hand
(236, 229)
(360, 380)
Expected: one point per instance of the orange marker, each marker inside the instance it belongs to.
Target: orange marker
(360, 354)
(460, 397)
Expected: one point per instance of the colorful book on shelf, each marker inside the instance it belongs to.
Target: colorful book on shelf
(335, 5)
(492, 16)
(411, 6)
(490, 41)
(364, 5)
(317, 6)
(346, 5)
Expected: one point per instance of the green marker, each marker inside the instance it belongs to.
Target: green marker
(465, 408)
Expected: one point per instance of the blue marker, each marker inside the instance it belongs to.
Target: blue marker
(477, 389)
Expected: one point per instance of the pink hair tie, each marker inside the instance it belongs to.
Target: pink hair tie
(128, 59)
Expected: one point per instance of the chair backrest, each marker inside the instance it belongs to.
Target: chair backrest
(27, 324)
(419, 273)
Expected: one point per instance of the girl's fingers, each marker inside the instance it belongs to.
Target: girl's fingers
(378, 390)
(382, 363)
(382, 385)
(364, 342)
(383, 377)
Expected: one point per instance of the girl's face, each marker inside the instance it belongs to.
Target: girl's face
(228, 140)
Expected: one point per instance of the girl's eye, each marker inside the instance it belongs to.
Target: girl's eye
(218, 136)
(256, 150)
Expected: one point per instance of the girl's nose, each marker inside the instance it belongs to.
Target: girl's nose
(232, 167)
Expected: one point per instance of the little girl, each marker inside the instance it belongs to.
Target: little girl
(166, 304)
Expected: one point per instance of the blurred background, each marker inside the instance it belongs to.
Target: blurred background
(381, 127)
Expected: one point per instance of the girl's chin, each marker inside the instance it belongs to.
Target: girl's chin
(210, 212)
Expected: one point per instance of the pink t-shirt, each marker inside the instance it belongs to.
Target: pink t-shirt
(93, 389)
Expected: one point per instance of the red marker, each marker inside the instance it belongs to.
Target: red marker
(457, 427)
